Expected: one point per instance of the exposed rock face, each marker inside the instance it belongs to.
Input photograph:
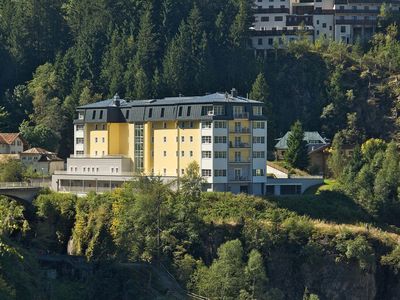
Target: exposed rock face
(292, 273)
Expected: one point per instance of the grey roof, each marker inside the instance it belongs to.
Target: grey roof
(308, 137)
(211, 98)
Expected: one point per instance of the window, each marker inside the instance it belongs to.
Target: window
(205, 154)
(96, 140)
(191, 139)
(182, 153)
(183, 139)
(116, 170)
(94, 115)
(180, 111)
(79, 153)
(206, 125)
(189, 110)
(102, 153)
(219, 110)
(165, 172)
(220, 139)
(278, 18)
(264, 19)
(220, 173)
(219, 124)
(207, 110)
(150, 112)
(257, 110)
(258, 140)
(206, 139)
(162, 112)
(191, 124)
(183, 171)
(103, 126)
(220, 154)
(165, 125)
(258, 154)
(206, 172)
(127, 114)
(182, 125)
(258, 125)
(101, 115)
(84, 169)
(258, 172)
(81, 116)
(165, 153)
(103, 140)
(79, 140)
(95, 153)
(96, 127)
(323, 25)
(343, 29)
(165, 139)
(191, 153)
(79, 127)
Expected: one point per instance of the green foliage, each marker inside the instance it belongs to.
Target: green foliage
(357, 248)
(224, 278)
(11, 170)
(57, 212)
(12, 217)
(296, 155)
(337, 159)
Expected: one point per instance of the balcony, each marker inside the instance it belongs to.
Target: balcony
(239, 145)
(241, 115)
(240, 130)
(240, 179)
(240, 161)
(356, 22)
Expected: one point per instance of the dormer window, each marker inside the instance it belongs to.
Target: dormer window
(127, 114)
(94, 115)
(101, 115)
(180, 111)
(257, 110)
(189, 109)
(162, 112)
(219, 110)
(81, 116)
(150, 112)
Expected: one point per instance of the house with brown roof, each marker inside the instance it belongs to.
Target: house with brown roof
(42, 161)
(12, 143)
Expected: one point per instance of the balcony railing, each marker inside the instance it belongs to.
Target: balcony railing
(240, 130)
(242, 115)
(240, 161)
(239, 178)
(239, 145)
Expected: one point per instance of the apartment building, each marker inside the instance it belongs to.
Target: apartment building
(116, 140)
(340, 20)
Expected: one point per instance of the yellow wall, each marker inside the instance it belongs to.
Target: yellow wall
(170, 161)
(188, 146)
(91, 145)
(118, 134)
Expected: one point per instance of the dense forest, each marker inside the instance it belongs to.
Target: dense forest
(58, 54)
(215, 245)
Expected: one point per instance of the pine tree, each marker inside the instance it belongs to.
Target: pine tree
(336, 160)
(177, 62)
(255, 275)
(387, 182)
(296, 155)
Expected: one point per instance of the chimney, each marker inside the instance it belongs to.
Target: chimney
(116, 100)
(234, 92)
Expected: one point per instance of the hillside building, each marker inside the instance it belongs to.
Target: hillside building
(12, 143)
(116, 140)
(340, 20)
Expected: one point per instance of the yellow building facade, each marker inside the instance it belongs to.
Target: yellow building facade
(225, 134)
